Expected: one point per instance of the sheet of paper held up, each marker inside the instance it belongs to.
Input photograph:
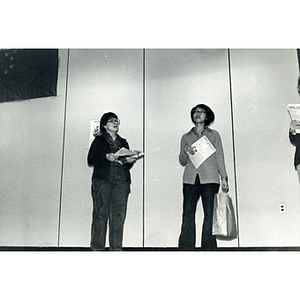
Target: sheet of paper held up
(294, 113)
(204, 149)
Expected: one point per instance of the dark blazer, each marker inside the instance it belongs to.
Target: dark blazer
(295, 140)
(97, 157)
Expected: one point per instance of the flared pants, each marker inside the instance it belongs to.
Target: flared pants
(191, 195)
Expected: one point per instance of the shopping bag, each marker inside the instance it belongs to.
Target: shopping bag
(224, 224)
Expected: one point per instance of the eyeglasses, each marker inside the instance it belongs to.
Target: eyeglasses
(115, 121)
(201, 112)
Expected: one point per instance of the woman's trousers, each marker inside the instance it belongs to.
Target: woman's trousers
(109, 206)
(191, 195)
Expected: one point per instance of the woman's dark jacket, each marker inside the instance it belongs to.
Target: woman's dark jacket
(97, 157)
(295, 140)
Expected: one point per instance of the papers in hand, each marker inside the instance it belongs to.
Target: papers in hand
(203, 149)
(124, 154)
(294, 113)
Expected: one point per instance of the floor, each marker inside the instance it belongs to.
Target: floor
(128, 249)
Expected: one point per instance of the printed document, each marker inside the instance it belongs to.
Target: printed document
(294, 113)
(124, 154)
(203, 149)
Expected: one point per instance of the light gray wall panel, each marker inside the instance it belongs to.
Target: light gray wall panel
(31, 135)
(177, 80)
(264, 81)
(100, 81)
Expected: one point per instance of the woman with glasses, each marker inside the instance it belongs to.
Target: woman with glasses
(203, 181)
(110, 184)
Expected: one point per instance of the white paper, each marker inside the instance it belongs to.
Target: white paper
(126, 152)
(294, 113)
(94, 128)
(204, 149)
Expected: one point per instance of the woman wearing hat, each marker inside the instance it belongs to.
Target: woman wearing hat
(110, 184)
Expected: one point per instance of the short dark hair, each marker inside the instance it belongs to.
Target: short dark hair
(210, 116)
(105, 118)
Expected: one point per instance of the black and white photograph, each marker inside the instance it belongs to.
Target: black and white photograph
(159, 102)
(166, 160)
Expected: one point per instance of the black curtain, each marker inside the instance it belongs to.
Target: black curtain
(28, 73)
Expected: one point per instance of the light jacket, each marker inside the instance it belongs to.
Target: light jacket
(212, 168)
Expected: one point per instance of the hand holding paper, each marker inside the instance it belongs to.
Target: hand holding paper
(190, 149)
(128, 156)
(203, 149)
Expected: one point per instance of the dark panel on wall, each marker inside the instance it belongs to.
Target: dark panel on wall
(28, 73)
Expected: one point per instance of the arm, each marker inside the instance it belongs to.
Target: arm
(221, 163)
(130, 160)
(293, 135)
(183, 157)
(97, 153)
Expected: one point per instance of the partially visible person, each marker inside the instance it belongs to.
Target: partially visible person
(110, 184)
(294, 136)
(295, 140)
(202, 182)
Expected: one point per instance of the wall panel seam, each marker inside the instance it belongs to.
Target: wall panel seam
(233, 145)
(63, 149)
